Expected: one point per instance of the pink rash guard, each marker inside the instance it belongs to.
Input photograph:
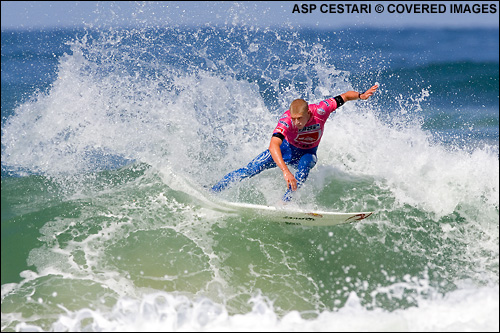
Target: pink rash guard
(310, 135)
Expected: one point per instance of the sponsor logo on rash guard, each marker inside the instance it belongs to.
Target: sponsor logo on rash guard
(310, 128)
(309, 135)
(284, 123)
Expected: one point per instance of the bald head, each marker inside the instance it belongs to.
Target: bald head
(299, 113)
(299, 107)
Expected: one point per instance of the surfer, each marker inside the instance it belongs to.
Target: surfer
(294, 142)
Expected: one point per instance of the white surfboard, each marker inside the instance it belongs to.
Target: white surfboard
(295, 216)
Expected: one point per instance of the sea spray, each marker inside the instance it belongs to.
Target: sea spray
(109, 221)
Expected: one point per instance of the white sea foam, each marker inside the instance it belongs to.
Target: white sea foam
(192, 125)
(464, 310)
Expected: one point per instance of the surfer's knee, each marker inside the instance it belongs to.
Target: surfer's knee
(257, 165)
(308, 161)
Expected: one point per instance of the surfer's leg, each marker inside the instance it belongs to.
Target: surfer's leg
(306, 163)
(261, 162)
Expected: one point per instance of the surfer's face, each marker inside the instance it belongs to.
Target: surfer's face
(300, 119)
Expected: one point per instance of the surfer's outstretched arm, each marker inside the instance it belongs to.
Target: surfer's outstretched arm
(354, 95)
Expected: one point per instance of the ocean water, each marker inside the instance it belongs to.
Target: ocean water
(110, 138)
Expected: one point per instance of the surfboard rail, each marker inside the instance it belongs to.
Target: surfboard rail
(295, 216)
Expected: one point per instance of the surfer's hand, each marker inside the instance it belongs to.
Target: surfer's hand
(369, 92)
(291, 182)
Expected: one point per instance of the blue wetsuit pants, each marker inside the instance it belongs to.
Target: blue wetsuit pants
(302, 159)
